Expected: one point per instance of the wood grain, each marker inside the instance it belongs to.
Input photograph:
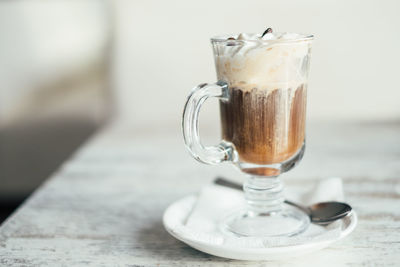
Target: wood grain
(104, 206)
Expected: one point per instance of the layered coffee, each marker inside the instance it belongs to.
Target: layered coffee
(264, 114)
(265, 127)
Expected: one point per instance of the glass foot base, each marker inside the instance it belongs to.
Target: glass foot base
(286, 222)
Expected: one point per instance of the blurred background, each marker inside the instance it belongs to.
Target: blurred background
(69, 67)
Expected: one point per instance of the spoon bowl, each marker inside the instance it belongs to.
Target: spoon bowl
(327, 212)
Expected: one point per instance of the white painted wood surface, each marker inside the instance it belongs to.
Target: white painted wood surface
(104, 206)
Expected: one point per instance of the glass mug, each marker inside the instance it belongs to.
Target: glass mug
(262, 87)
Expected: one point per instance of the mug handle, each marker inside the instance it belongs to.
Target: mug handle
(224, 151)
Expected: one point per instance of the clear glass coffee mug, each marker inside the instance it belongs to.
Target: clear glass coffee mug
(262, 86)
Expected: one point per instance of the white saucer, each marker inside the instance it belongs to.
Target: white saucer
(176, 215)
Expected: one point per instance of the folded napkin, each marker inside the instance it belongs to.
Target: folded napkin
(215, 202)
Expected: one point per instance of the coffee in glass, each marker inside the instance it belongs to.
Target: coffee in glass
(262, 87)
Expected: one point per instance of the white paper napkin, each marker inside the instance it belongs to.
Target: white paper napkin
(215, 202)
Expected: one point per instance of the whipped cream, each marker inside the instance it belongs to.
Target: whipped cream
(269, 36)
(250, 61)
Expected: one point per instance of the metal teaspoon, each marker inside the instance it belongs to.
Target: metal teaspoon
(320, 213)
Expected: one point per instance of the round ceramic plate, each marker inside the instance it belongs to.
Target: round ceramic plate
(176, 215)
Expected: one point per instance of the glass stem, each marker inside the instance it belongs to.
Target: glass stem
(263, 195)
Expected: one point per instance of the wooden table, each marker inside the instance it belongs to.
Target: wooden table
(104, 206)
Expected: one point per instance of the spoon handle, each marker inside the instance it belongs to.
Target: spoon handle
(233, 185)
(304, 209)
(227, 183)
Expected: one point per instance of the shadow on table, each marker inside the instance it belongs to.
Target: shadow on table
(158, 244)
